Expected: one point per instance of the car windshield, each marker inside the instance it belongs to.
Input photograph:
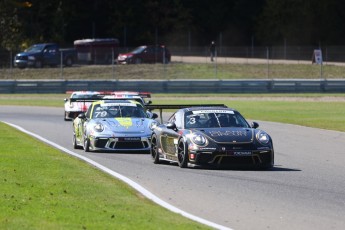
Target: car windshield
(35, 48)
(138, 50)
(111, 110)
(214, 119)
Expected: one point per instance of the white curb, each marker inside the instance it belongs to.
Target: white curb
(133, 184)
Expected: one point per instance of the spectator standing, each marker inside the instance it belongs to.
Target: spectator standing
(212, 50)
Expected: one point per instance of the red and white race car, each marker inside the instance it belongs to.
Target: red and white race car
(136, 96)
(80, 101)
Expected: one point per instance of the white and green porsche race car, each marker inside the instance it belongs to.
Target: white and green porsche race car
(114, 125)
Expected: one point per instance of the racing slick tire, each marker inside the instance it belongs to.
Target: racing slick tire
(154, 151)
(65, 117)
(266, 166)
(182, 155)
(269, 165)
(75, 146)
(86, 145)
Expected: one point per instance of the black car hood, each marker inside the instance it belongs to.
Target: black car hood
(230, 135)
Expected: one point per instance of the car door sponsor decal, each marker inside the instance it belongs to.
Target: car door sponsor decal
(168, 145)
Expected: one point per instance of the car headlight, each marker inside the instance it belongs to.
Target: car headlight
(98, 127)
(262, 137)
(32, 58)
(153, 124)
(198, 139)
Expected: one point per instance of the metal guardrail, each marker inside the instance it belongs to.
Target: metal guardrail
(176, 86)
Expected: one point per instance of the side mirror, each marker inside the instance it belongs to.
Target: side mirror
(65, 100)
(148, 102)
(154, 115)
(255, 125)
(171, 125)
(82, 116)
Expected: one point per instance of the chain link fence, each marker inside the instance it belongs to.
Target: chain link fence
(285, 62)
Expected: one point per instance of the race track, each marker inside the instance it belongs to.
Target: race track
(305, 190)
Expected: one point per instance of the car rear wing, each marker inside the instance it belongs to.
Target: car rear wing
(101, 98)
(126, 93)
(90, 99)
(161, 107)
(116, 96)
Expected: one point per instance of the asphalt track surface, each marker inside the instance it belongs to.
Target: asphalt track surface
(304, 190)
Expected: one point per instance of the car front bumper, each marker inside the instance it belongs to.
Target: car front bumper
(243, 158)
(120, 144)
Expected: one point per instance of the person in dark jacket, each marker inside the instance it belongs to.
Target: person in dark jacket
(212, 50)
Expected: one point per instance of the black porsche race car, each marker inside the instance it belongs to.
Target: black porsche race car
(216, 136)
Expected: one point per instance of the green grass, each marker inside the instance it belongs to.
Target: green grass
(325, 115)
(49, 100)
(326, 111)
(42, 188)
(178, 70)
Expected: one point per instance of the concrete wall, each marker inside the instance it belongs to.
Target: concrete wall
(176, 86)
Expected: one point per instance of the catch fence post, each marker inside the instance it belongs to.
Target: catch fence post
(268, 64)
(61, 64)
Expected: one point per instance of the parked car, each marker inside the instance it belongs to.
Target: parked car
(39, 55)
(145, 54)
(214, 136)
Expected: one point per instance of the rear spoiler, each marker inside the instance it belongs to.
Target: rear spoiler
(118, 93)
(91, 99)
(101, 98)
(125, 93)
(161, 107)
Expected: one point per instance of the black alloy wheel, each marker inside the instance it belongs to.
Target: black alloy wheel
(86, 144)
(182, 155)
(154, 150)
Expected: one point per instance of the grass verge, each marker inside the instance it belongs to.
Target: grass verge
(324, 115)
(176, 70)
(326, 111)
(41, 188)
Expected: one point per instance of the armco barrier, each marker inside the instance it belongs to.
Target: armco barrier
(176, 86)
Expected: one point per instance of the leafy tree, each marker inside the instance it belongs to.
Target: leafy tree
(148, 21)
(173, 22)
(10, 26)
(301, 22)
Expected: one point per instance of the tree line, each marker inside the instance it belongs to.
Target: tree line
(173, 22)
